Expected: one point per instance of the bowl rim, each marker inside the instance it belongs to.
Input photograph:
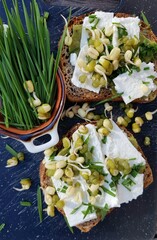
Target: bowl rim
(57, 111)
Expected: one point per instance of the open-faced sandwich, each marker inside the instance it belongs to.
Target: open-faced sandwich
(107, 55)
(96, 167)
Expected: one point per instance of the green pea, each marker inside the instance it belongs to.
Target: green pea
(77, 184)
(114, 172)
(50, 172)
(60, 204)
(142, 169)
(147, 141)
(63, 152)
(90, 115)
(96, 117)
(55, 199)
(20, 156)
(125, 164)
(79, 142)
(100, 123)
(110, 164)
(69, 172)
(95, 193)
(96, 83)
(95, 174)
(127, 119)
(66, 142)
(82, 78)
(90, 66)
(88, 156)
(101, 178)
(127, 171)
(91, 41)
(73, 157)
(84, 175)
(95, 181)
(84, 149)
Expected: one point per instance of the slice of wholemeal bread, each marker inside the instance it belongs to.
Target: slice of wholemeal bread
(46, 181)
(76, 94)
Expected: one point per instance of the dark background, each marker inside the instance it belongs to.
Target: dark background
(134, 221)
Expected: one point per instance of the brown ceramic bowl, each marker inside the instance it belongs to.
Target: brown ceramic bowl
(49, 127)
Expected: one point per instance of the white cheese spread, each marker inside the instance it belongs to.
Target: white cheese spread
(105, 20)
(70, 204)
(78, 72)
(130, 23)
(137, 84)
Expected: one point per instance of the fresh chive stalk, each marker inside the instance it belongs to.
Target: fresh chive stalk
(11, 150)
(39, 203)
(70, 228)
(26, 55)
(104, 211)
(109, 99)
(145, 20)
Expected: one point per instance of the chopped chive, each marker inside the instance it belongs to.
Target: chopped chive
(87, 140)
(115, 179)
(130, 159)
(11, 150)
(63, 190)
(108, 191)
(134, 173)
(140, 168)
(104, 211)
(112, 184)
(75, 209)
(92, 149)
(98, 168)
(90, 209)
(2, 226)
(39, 203)
(146, 68)
(146, 83)
(109, 99)
(145, 20)
(151, 76)
(128, 183)
(122, 31)
(92, 18)
(104, 139)
(70, 228)
(25, 204)
(96, 23)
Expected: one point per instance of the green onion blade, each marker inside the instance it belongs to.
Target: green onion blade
(70, 228)
(145, 20)
(109, 99)
(39, 203)
(11, 150)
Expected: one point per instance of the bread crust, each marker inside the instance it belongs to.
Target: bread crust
(75, 94)
(45, 181)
